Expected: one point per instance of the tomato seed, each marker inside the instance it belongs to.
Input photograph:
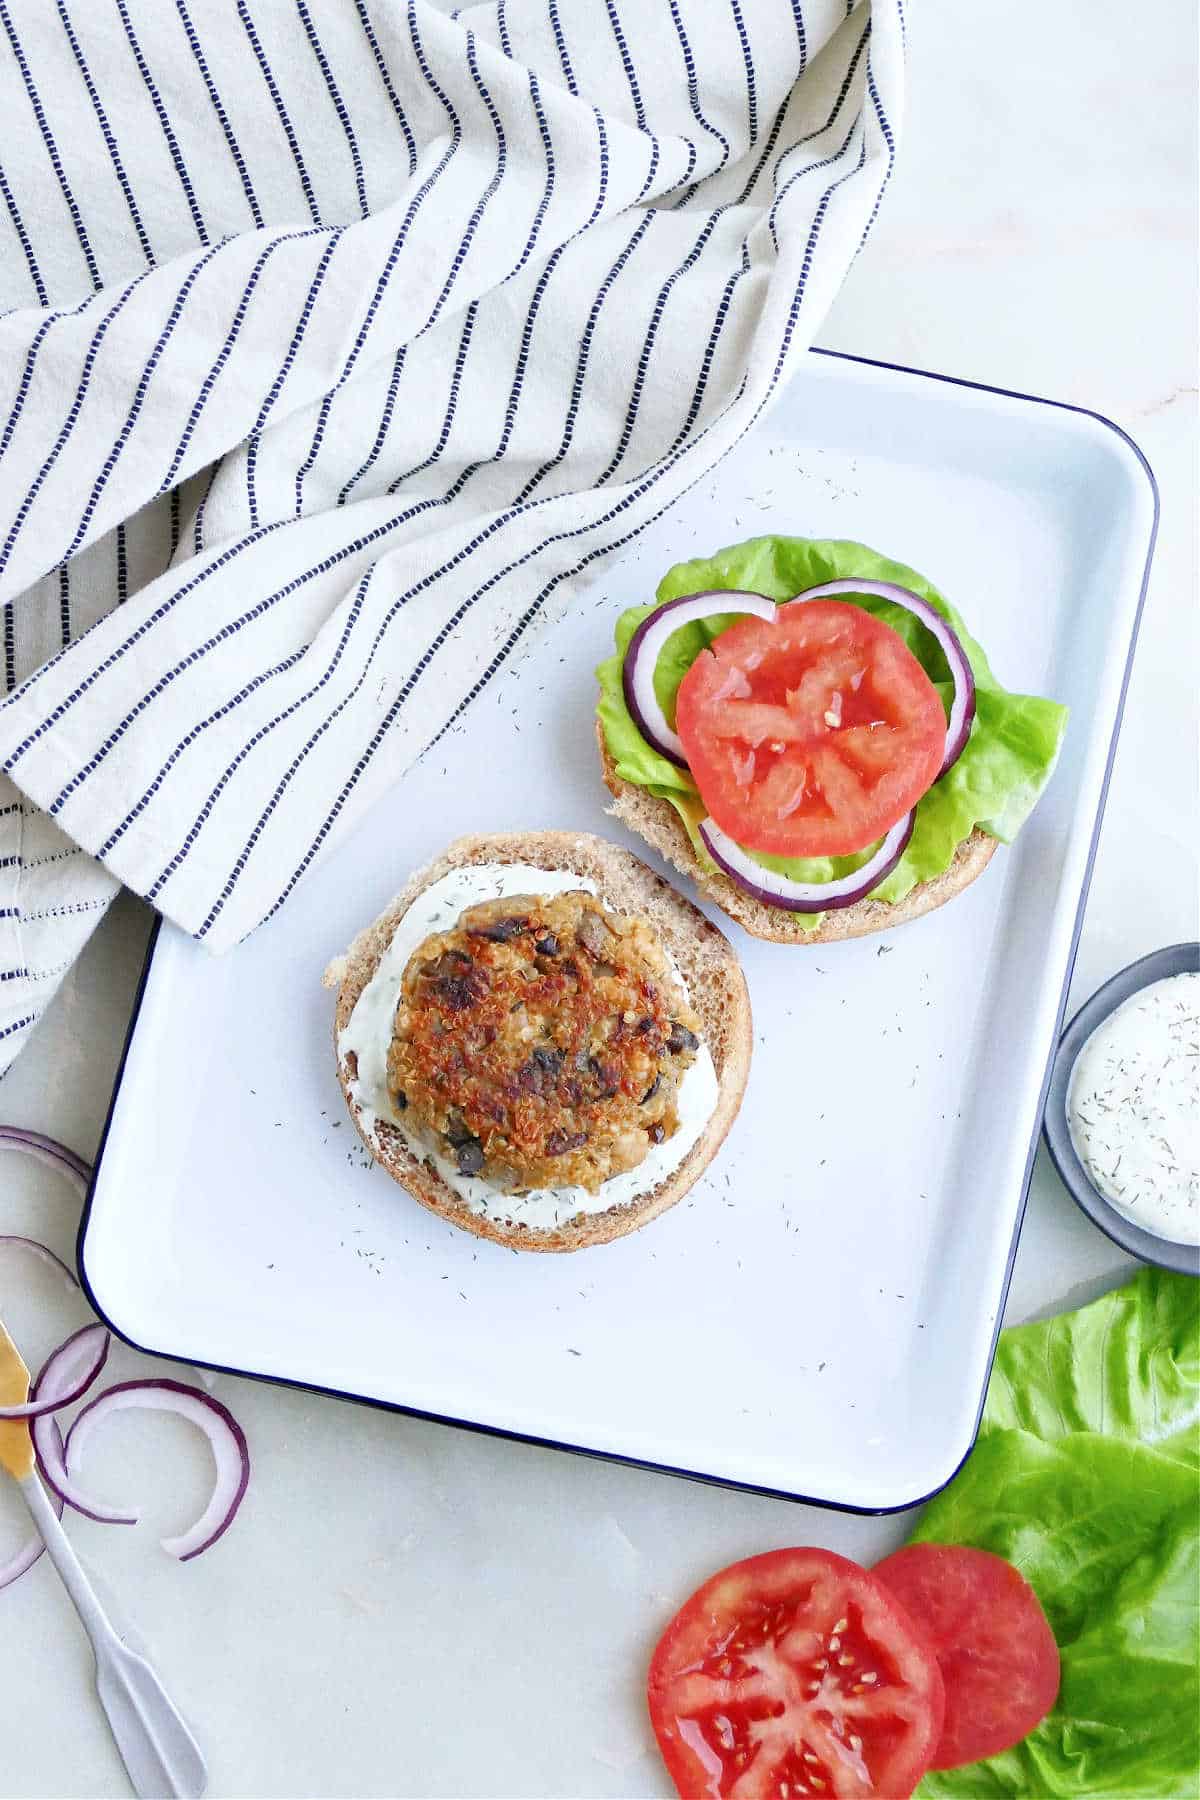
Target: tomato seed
(855, 1741)
(871, 1677)
(845, 1661)
(841, 1625)
(835, 1642)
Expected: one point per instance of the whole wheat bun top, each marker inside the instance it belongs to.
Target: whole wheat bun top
(705, 960)
(657, 821)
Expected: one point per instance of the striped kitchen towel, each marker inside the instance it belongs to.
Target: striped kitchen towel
(341, 341)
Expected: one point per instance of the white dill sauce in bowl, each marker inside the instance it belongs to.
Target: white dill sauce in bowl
(1133, 1108)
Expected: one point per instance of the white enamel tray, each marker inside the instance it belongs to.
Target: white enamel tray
(817, 1318)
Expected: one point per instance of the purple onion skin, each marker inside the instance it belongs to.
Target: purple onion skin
(726, 599)
(957, 733)
(214, 1406)
(37, 1408)
(44, 1253)
(44, 1430)
(46, 1422)
(827, 903)
(47, 1150)
(633, 708)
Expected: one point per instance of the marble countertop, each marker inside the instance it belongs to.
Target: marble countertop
(406, 1609)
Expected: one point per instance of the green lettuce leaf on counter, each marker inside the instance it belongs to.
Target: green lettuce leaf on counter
(995, 783)
(1085, 1477)
(1128, 1365)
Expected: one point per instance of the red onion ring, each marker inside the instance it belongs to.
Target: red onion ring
(67, 1374)
(962, 708)
(225, 1436)
(645, 646)
(24, 1559)
(72, 1368)
(637, 678)
(804, 896)
(51, 1456)
(50, 1152)
(42, 1252)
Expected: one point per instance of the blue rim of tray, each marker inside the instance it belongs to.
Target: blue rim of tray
(613, 1456)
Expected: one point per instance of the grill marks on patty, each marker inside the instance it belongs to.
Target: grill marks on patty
(540, 1043)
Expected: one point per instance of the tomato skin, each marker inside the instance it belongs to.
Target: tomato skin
(994, 1645)
(812, 733)
(796, 1673)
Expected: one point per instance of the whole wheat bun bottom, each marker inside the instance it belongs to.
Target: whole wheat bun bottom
(703, 956)
(657, 821)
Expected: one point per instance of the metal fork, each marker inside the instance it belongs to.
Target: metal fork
(159, 1752)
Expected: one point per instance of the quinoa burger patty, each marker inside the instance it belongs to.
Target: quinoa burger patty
(541, 1041)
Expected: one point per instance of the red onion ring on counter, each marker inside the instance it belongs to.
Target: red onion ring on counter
(804, 896)
(226, 1439)
(48, 1151)
(71, 1369)
(962, 708)
(67, 1375)
(49, 1450)
(23, 1560)
(43, 1253)
(645, 647)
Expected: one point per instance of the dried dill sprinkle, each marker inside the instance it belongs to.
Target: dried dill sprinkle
(1134, 1108)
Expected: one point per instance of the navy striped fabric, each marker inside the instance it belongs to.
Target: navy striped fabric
(341, 342)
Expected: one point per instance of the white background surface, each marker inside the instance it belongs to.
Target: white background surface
(402, 1609)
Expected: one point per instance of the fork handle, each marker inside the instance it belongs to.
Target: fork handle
(58, 1548)
(159, 1752)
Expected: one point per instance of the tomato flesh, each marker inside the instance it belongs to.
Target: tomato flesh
(794, 1673)
(995, 1648)
(812, 733)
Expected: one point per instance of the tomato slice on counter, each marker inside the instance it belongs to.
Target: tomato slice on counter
(997, 1653)
(812, 733)
(794, 1673)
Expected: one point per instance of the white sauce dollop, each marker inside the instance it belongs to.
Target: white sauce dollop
(1133, 1108)
(369, 1033)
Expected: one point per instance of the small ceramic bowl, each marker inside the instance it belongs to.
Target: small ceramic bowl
(1176, 959)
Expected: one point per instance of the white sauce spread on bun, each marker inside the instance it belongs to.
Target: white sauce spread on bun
(366, 1039)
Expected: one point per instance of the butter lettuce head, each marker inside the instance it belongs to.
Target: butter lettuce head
(1007, 761)
(1127, 1366)
(1086, 1477)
